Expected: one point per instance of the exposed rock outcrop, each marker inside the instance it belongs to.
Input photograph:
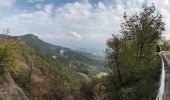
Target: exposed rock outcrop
(9, 90)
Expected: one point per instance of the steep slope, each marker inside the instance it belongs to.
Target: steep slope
(75, 59)
(9, 90)
(58, 51)
(40, 75)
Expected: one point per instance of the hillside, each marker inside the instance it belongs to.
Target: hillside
(77, 60)
(9, 89)
(82, 56)
(58, 51)
(40, 75)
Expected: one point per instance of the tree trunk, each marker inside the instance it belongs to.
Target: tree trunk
(140, 54)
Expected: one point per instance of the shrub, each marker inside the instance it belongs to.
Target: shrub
(3, 58)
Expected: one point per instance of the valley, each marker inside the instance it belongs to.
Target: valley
(44, 70)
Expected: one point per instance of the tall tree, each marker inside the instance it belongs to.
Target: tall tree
(144, 29)
(113, 54)
(131, 54)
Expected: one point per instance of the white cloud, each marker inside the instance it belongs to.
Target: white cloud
(6, 3)
(71, 36)
(102, 6)
(91, 24)
(39, 6)
(75, 35)
(33, 1)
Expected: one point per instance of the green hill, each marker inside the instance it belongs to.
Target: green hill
(58, 51)
(42, 76)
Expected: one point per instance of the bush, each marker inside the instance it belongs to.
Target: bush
(3, 58)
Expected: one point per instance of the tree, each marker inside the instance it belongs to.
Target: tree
(113, 62)
(86, 91)
(131, 54)
(164, 44)
(144, 29)
(6, 33)
(3, 58)
(3, 54)
(113, 54)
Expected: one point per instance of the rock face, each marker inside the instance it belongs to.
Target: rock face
(9, 90)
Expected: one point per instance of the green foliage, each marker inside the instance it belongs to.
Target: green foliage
(132, 57)
(3, 58)
(165, 44)
(86, 91)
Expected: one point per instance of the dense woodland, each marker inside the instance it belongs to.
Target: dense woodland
(132, 64)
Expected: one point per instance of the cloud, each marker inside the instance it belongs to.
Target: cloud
(6, 3)
(36, 18)
(75, 35)
(70, 36)
(39, 6)
(33, 1)
(92, 24)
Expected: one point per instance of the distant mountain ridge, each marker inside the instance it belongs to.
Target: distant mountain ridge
(59, 51)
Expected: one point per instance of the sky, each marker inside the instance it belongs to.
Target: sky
(73, 23)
